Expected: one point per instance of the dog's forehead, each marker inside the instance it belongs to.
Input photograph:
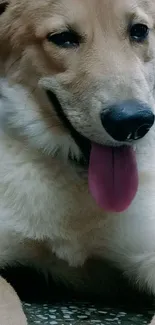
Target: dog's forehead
(95, 4)
(81, 8)
(83, 14)
(88, 17)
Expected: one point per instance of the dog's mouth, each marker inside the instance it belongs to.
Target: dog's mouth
(112, 171)
(83, 143)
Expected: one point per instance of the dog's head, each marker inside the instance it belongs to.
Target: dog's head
(88, 67)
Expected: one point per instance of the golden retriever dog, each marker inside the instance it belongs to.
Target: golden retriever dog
(77, 139)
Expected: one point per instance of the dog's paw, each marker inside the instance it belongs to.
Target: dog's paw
(11, 312)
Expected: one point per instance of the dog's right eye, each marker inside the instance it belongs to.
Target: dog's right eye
(68, 39)
(139, 33)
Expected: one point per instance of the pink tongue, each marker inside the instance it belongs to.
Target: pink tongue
(113, 177)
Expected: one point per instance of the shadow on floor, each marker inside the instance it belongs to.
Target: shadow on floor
(33, 288)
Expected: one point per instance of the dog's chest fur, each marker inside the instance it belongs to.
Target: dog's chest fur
(45, 199)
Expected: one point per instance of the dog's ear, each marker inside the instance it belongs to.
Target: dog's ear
(3, 6)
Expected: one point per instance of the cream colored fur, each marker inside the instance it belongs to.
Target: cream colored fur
(47, 215)
(11, 312)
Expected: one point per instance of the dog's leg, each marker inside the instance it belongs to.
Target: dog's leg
(138, 266)
(141, 268)
(11, 312)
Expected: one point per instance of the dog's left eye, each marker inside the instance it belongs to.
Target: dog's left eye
(68, 39)
(139, 32)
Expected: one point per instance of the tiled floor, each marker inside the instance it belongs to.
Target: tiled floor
(79, 314)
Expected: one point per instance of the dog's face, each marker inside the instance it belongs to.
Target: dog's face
(92, 61)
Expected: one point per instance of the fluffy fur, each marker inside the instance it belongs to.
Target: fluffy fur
(47, 215)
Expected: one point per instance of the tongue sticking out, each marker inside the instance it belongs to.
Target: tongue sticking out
(113, 177)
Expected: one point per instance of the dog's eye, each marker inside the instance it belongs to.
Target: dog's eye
(139, 32)
(68, 39)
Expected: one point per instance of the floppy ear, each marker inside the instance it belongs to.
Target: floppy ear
(3, 6)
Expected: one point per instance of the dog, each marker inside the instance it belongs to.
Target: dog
(77, 137)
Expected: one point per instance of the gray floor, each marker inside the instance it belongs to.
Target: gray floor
(78, 314)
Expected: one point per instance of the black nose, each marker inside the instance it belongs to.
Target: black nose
(129, 120)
